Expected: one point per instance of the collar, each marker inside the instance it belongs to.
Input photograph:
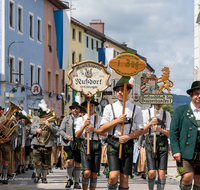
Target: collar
(193, 108)
(121, 103)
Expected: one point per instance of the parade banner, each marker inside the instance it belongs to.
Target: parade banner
(126, 65)
(89, 78)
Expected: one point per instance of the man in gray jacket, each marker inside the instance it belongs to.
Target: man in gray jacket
(71, 145)
(42, 150)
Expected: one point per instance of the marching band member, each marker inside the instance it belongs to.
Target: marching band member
(133, 127)
(42, 150)
(5, 147)
(83, 111)
(90, 163)
(160, 125)
(71, 145)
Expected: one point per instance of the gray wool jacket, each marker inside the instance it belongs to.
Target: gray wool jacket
(35, 125)
(21, 138)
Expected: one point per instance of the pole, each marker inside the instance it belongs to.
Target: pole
(88, 134)
(123, 110)
(154, 139)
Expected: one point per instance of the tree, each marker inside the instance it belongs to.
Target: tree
(169, 108)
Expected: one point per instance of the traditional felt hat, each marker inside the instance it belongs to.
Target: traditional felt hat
(91, 102)
(83, 109)
(17, 113)
(1, 108)
(75, 104)
(41, 112)
(121, 83)
(195, 85)
(22, 117)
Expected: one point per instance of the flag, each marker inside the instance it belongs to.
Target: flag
(62, 24)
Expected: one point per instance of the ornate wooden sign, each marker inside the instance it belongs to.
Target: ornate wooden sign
(127, 64)
(89, 76)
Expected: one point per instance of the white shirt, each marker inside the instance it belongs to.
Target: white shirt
(108, 116)
(196, 111)
(159, 115)
(80, 123)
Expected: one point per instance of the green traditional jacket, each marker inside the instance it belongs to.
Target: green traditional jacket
(183, 132)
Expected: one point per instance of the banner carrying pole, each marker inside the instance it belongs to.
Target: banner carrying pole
(88, 134)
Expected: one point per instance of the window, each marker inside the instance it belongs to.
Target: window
(114, 54)
(39, 33)
(79, 57)
(49, 34)
(11, 14)
(12, 67)
(20, 68)
(73, 33)
(20, 19)
(79, 36)
(31, 25)
(97, 44)
(73, 57)
(49, 81)
(57, 84)
(117, 53)
(32, 74)
(39, 75)
(87, 44)
(92, 44)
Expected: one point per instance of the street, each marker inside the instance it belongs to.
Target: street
(57, 180)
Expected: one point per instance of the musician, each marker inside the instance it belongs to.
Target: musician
(160, 125)
(83, 111)
(71, 145)
(42, 151)
(111, 122)
(5, 148)
(91, 162)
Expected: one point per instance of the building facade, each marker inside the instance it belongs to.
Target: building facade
(196, 33)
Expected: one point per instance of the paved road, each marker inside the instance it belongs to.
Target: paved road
(57, 180)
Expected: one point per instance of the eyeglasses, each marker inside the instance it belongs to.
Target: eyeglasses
(75, 108)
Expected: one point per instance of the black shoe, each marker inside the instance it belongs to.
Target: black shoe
(77, 186)
(137, 173)
(31, 168)
(61, 168)
(5, 181)
(23, 171)
(33, 175)
(44, 180)
(36, 179)
(69, 183)
(26, 169)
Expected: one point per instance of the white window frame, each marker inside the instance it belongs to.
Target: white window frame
(39, 41)
(20, 7)
(33, 79)
(40, 74)
(13, 57)
(13, 15)
(80, 54)
(73, 51)
(31, 37)
(79, 32)
(22, 76)
(74, 34)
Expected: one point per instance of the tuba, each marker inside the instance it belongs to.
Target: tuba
(10, 123)
(46, 132)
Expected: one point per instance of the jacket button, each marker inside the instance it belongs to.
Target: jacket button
(187, 143)
(188, 136)
(190, 129)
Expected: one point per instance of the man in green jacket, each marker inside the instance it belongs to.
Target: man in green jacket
(185, 139)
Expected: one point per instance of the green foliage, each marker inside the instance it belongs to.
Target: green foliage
(127, 51)
(169, 108)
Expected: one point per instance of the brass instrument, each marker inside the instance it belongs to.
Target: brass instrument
(10, 123)
(44, 136)
(29, 120)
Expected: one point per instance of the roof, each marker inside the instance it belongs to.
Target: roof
(60, 4)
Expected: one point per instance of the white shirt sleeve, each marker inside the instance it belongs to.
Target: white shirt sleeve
(107, 115)
(138, 118)
(79, 124)
(168, 120)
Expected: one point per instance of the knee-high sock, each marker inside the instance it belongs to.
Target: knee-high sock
(121, 188)
(161, 184)
(5, 171)
(185, 187)
(37, 170)
(77, 173)
(16, 165)
(44, 171)
(69, 171)
(112, 187)
(151, 183)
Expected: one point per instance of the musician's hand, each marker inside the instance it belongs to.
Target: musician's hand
(70, 138)
(6, 140)
(121, 118)
(154, 121)
(89, 128)
(87, 122)
(39, 131)
(2, 127)
(23, 146)
(123, 138)
(138, 147)
(177, 157)
(46, 123)
(156, 128)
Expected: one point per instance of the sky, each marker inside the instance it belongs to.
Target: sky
(160, 30)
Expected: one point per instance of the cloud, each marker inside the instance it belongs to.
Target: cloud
(162, 31)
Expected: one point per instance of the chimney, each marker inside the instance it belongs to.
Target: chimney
(97, 25)
(124, 44)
